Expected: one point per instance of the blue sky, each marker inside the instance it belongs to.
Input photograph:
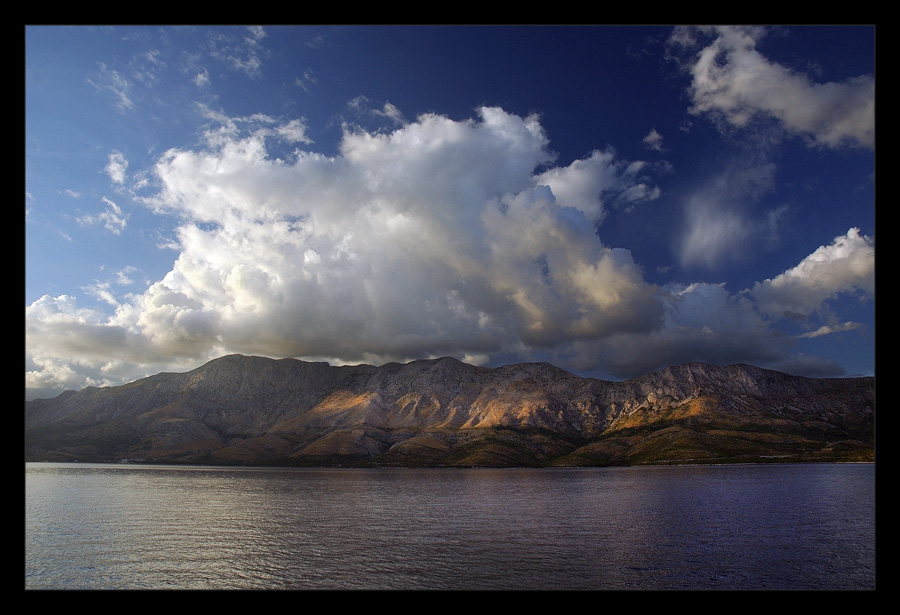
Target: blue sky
(610, 199)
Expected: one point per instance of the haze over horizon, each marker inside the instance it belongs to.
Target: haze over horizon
(609, 199)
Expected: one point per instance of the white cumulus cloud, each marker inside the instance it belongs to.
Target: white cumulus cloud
(441, 237)
(847, 265)
(436, 238)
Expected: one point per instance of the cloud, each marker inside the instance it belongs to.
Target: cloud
(653, 141)
(112, 219)
(116, 167)
(828, 329)
(147, 67)
(201, 79)
(392, 113)
(435, 238)
(440, 237)
(257, 33)
(719, 224)
(239, 52)
(72, 347)
(847, 266)
(361, 114)
(410, 242)
(589, 184)
(122, 276)
(317, 41)
(293, 132)
(112, 81)
(101, 291)
(733, 83)
(810, 366)
(307, 80)
(702, 322)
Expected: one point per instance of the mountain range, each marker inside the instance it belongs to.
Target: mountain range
(442, 412)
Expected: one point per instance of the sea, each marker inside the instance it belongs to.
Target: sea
(710, 527)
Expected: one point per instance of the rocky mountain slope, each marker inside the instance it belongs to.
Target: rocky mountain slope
(442, 412)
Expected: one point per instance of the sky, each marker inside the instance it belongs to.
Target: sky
(610, 199)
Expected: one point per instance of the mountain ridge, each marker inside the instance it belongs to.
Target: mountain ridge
(428, 412)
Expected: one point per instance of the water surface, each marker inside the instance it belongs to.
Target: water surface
(93, 526)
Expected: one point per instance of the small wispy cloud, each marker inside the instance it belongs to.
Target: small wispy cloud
(719, 224)
(317, 41)
(829, 329)
(257, 33)
(116, 167)
(307, 80)
(112, 218)
(241, 52)
(115, 83)
(392, 113)
(654, 141)
(101, 291)
(201, 79)
(123, 276)
(147, 67)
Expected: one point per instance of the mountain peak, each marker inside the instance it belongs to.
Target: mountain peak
(442, 411)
